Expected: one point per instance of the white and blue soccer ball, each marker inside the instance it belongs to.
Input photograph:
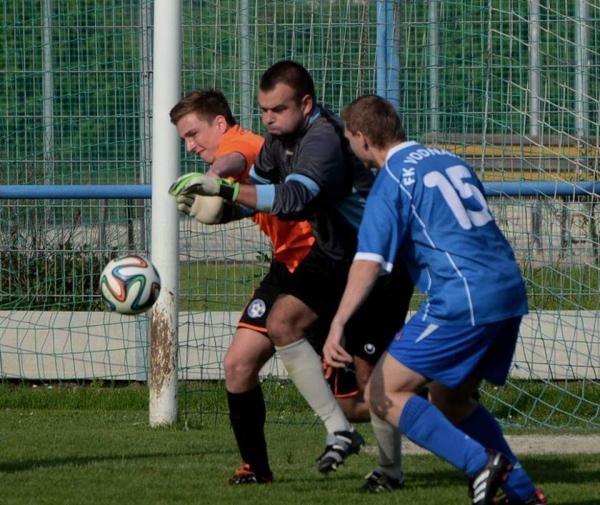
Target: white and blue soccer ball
(129, 284)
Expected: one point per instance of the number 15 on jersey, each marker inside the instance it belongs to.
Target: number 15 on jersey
(465, 200)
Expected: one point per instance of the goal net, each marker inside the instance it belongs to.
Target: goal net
(511, 86)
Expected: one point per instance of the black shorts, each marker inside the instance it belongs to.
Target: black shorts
(342, 381)
(370, 330)
(319, 282)
(257, 309)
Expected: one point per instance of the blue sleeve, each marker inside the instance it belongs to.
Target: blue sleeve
(385, 221)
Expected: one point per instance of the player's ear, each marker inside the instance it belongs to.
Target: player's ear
(221, 123)
(363, 139)
(306, 104)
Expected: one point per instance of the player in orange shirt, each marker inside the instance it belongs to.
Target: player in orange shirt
(204, 121)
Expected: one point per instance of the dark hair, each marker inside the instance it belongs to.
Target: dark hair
(376, 118)
(208, 104)
(291, 73)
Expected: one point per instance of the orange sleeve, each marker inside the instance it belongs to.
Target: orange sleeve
(246, 143)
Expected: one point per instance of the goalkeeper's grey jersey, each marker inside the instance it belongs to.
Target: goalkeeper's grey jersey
(317, 178)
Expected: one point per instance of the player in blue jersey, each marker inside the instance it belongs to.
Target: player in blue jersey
(427, 208)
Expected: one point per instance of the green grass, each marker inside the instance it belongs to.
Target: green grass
(218, 285)
(534, 406)
(80, 445)
(227, 286)
(563, 288)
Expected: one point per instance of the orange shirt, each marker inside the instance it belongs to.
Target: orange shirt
(291, 239)
(238, 140)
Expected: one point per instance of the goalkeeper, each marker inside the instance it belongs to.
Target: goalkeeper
(304, 171)
(204, 120)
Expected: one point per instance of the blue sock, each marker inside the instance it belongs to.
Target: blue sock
(484, 428)
(425, 425)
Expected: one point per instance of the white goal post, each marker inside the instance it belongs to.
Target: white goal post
(165, 230)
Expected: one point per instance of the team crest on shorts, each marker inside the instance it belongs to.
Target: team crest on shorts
(256, 309)
(369, 348)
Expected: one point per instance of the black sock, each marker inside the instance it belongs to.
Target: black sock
(247, 413)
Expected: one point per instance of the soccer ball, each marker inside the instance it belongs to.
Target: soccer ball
(129, 284)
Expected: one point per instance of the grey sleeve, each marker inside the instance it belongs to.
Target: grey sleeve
(264, 170)
(319, 173)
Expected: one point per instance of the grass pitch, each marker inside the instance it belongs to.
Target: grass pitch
(80, 445)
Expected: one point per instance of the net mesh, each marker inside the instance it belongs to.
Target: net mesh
(511, 86)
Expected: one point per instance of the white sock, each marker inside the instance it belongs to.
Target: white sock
(390, 449)
(304, 367)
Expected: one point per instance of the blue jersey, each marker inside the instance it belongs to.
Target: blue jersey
(427, 206)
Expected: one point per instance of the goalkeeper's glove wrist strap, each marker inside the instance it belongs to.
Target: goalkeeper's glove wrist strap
(229, 190)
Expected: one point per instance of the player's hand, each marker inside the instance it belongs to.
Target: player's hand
(205, 209)
(334, 353)
(205, 185)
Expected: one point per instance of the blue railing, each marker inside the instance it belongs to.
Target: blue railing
(144, 191)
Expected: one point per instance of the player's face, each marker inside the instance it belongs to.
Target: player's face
(360, 148)
(202, 137)
(282, 114)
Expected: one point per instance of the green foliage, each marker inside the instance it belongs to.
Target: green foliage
(96, 81)
(45, 271)
(100, 76)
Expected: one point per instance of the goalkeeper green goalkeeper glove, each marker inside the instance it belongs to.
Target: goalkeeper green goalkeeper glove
(206, 209)
(205, 185)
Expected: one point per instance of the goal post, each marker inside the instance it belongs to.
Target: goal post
(165, 229)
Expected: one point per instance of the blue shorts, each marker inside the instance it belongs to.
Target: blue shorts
(450, 354)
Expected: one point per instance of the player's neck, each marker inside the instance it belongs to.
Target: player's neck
(386, 151)
(380, 154)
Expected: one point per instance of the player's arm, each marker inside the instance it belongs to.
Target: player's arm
(287, 199)
(233, 192)
(318, 168)
(380, 234)
(362, 277)
(231, 164)
(319, 173)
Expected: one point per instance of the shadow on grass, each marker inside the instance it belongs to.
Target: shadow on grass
(547, 467)
(561, 469)
(543, 470)
(593, 501)
(24, 466)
